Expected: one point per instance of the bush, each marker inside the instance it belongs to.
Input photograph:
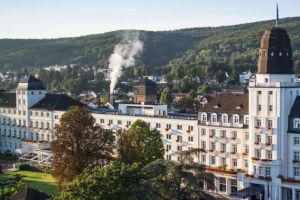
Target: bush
(8, 156)
(25, 167)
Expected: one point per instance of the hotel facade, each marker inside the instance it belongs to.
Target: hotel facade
(251, 142)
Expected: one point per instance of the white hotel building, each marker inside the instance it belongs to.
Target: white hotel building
(251, 141)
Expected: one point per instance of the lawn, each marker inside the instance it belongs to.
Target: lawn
(39, 180)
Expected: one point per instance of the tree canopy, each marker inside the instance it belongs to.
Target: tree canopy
(140, 144)
(78, 144)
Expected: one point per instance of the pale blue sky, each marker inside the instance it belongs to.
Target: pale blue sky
(65, 18)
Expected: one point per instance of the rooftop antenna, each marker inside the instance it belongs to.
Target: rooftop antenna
(277, 15)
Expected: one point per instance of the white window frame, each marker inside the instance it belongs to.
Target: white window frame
(225, 119)
(296, 123)
(236, 119)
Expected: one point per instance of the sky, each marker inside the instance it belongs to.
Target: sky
(69, 18)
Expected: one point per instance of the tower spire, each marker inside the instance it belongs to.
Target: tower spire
(277, 15)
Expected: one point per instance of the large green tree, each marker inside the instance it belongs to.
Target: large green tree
(166, 97)
(170, 180)
(140, 144)
(116, 181)
(79, 144)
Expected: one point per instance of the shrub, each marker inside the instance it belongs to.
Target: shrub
(25, 167)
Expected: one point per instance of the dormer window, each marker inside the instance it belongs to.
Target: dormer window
(296, 123)
(217, 106)
(203, 117)
(214, 118)
(266, 80)
(239, 107)
(236, 119)
(225, 118)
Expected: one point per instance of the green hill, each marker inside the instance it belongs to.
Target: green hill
(232, 48)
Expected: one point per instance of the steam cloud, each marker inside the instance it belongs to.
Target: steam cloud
(124, 56)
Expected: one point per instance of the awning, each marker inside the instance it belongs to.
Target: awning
(247, 192)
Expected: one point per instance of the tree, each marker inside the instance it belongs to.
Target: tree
(116, 181)
(166, 97)
(79, 144)
(166, 179)
(140, 144)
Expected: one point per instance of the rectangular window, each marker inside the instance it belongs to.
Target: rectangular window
(234, 162)
(296, 171)
(119, 122)
(296, 140)
(247, 135)
(233, 185)
(213, 160)
(260, 170)
(179, 148)
(259, 107)
(223, 147)
(110, 121)
(212, 146)
(168, 157)
(223, 133)
(269, 139)
(203, 159)
(102, 121)
(169, 136)
(169, 146)
(222, 184)
(270, 108)
(270, 123)
(203, 131)
(269, 154)
(179, 138)
(257, 153)
(234, 148)
(258, 122)
(296, 155)
(191, 138)
(223, 161)
(157, 125)
(268, 171)
(203, 144)
(168, 126)
(204, 118)
(179, 127)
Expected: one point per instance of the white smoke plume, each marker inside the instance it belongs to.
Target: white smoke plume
(124, 56)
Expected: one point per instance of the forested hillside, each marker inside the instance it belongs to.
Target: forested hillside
(178, 53)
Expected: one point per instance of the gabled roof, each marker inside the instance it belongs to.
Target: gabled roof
(30, 194)
(295, 111)
(7, 99)
(228, 103)
(56, 102)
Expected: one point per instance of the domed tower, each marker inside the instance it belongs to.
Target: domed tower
(275, 53)
(271, 97)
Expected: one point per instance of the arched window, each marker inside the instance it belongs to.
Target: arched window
(296, 123)
(224, 118)
(236, 119)
(214, 118)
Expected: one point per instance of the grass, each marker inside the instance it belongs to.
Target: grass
(39, 180)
